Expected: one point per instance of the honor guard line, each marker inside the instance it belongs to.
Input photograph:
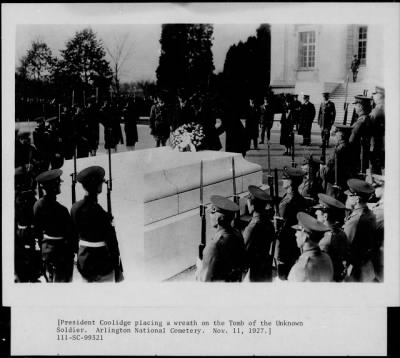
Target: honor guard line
(156, 203)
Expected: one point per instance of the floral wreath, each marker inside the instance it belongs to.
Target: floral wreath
(187, 138)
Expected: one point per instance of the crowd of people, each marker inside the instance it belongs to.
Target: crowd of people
(323, 240)
(339, 239)
(329, 224)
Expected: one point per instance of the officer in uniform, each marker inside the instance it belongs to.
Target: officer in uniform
(361, 133)
(331, 212)
(53, 228)
(258, 236)
(291, 204)
(378, 182)
(344, 164)
(224, 255)
(98, 254)
(360, 229)
(313, 264)
(307, 115)
(326, 118)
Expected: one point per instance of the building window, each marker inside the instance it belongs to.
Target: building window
(307, 49)
(362, 44)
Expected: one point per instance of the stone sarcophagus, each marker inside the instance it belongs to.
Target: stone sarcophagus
(155, 203)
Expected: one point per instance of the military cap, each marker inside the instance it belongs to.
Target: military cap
(362, 99)
(342, 128)
(360, 187)
(48, 176)
(328, 202)
(309, 224)
(378, 180)
(291, 173)
(258, 193)
(326, 93)
(306, 95)
(223, 205)
(93, 175)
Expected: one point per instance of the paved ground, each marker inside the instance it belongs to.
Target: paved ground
(256, 156)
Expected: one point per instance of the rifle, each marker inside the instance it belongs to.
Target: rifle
(336, 187)
(202, 216)
(346, 105)
(59, 113)
(235, 196)
(277, 219)
(293, 148)
(118, 269)
(323, 153)
(73, 176)
(270, 178)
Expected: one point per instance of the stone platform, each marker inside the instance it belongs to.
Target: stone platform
(155, 203)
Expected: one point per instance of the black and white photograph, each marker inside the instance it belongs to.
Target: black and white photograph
(183, 150)
(239, 159)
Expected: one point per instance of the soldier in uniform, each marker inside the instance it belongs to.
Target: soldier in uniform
(313, 264)
(252, 123)
(266, 119)
(331, 213)
(307, 115)
(342, 162)
(378, 210)
(224, 255)
(28, 261)
(258, 236)
(67, 132)
(98, 253)
(326, 118)
(53, 228)
(360, 229)
(377, 118)
(55, 143)
(25, 152)
(291, 204)
(361, 133)
(93, 125)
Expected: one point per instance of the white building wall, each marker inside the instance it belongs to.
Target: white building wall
(331, 67)
(375, 58)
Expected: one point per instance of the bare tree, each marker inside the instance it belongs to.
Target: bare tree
(119, 53)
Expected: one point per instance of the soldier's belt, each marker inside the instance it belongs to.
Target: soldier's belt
(48, 237)
(85, 243)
